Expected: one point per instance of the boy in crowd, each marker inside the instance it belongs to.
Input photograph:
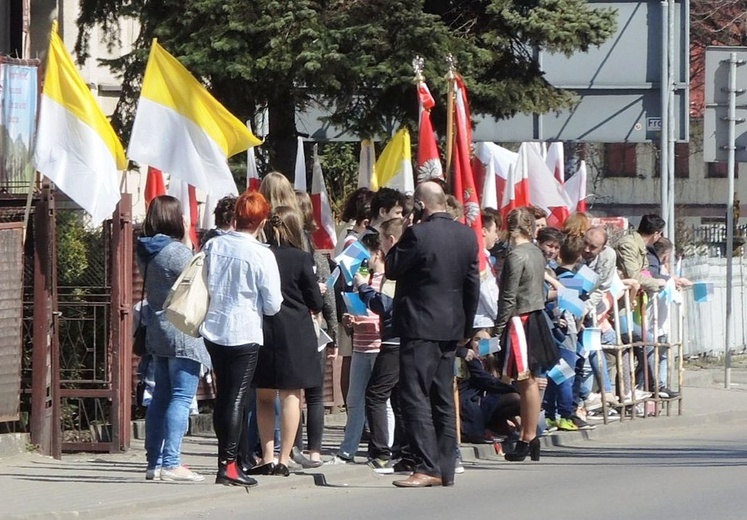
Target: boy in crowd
(382, 384)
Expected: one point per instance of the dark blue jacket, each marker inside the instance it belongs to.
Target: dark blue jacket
(381, 304)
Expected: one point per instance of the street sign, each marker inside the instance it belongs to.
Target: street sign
(716, 116)
(653, 124)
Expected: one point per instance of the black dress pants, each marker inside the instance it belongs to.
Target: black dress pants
(234, 368)
(384, 379)
(427, 397)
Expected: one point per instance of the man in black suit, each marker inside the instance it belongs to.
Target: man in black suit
(435, 264)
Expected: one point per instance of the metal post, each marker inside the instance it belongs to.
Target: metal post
(731, 145)
(671, 128)
(663, 143)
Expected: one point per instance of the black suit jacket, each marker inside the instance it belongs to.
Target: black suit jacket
(435, 264)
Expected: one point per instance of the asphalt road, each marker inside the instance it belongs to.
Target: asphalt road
(680, 474)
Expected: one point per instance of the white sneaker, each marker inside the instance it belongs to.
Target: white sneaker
(593, 402)
(180, 474)
(459, 467)
(153, 474)
(337, 460)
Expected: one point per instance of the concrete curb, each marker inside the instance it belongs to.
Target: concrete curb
(617, 428)
(311, 478)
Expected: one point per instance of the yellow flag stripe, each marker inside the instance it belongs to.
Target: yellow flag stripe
(389, 164)
(64, 84)
(167, 82)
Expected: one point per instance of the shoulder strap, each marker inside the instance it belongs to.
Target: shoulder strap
(142, 296)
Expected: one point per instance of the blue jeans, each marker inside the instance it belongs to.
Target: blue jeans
(361, 366)
(559, 397)
(167, 418)
(588, 367)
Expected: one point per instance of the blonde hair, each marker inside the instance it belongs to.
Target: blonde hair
(285, 227)
(577, 224)
(307, 211)
(521, 222)
(278, 190)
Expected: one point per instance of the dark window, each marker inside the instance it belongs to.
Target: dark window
(681, 161)
(720, 170)
(620, 159)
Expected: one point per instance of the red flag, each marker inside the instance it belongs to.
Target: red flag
(555, 161)
(464, 181)
(324, 237)
(154, 185)
(544, 189)
(576, 188)
(187, 196)
(429, 162)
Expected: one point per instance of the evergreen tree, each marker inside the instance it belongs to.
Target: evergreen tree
(353, 57)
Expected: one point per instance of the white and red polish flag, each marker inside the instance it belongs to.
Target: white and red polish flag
(252, 173)
(508, 197)
(299, 176)
(544, 189)
(464, 181)
(324, 237)
(497, 159)
(429, 161)
(188, 197)
(154, 185)
(555, 160)
(576, 188)
(366, 163)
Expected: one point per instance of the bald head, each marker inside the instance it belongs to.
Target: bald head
(594, 241)
(432, 196)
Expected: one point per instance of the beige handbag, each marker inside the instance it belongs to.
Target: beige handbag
(187, 303)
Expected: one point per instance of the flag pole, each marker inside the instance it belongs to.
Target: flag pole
(450, 134)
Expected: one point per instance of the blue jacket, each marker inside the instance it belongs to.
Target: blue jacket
(165, 259)
(380, 304)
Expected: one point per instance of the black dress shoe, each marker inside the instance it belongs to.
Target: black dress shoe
(231, 475)
(281, 470)
(263, 469)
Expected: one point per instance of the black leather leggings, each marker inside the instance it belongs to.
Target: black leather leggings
(234, 368)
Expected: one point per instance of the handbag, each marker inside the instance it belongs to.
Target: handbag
(187, 303)
(138, 337)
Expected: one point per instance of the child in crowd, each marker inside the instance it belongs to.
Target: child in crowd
(558, 401)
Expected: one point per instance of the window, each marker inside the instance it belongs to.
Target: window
(720, 170)
(681, 161)
(620, 160)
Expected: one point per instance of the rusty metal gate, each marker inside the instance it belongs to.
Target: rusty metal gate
(93, 268)
(76, 369)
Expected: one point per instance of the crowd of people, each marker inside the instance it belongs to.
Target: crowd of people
(430, 312)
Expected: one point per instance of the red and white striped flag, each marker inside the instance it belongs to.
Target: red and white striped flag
(544, 189)
(498, 160)
(429, 161)
(252, 173)
(188, 197)
(576, 188)
(464, 181)
(324, 237)
(154, 185)
(508, 198)
(366, 164)
(299, 177)
(555, 160)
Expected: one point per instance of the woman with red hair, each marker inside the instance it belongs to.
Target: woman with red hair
(244, 284)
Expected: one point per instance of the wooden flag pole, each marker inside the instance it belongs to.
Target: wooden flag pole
(450, 134)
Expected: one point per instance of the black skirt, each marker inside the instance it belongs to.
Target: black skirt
(527, 346)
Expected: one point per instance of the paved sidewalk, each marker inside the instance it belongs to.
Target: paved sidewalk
(100, 485)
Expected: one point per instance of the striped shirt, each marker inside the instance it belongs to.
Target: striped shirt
(366, 332)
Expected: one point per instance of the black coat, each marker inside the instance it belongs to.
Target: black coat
(289, 358)
(435, 264)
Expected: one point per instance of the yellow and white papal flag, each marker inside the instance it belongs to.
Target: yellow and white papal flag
(76, 146)
(393, 169)
(182, 129)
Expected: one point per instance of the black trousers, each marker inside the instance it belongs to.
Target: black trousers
(234, 368)
(381, 386)
(427, 397)
(314, 398)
